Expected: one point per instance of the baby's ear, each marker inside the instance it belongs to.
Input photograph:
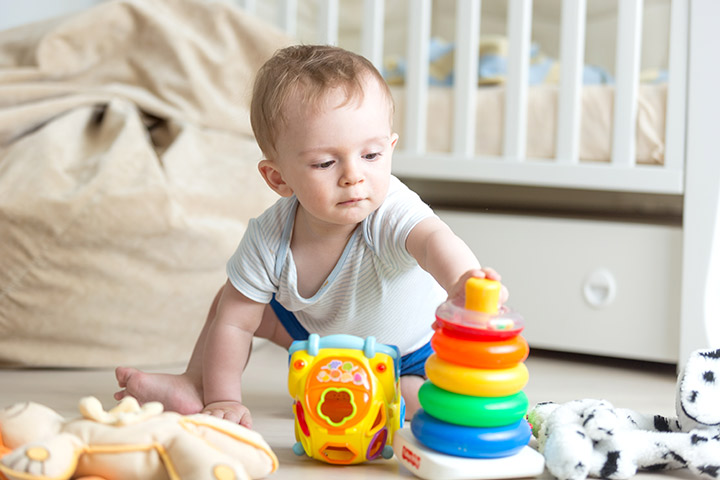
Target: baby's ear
(394, 140)
(273, 177)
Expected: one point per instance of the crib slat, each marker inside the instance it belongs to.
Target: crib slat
(627, 76)
(287, 16)
(677, 71)
(467, 42)
(329, 11)
(373, 38)
(519, 25)
(570, 93)
(416, 80)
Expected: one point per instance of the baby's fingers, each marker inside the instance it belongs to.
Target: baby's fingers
(246, 420)
(240, 416)
(491, 274)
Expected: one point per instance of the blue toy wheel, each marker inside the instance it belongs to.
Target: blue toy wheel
(387, 452)
(298, 449)
(472, 442)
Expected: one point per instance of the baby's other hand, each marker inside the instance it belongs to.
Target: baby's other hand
(234, 412)
(458, 290)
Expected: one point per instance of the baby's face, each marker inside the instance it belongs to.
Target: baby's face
(337, 158)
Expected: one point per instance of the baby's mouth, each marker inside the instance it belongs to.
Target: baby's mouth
(352, 201)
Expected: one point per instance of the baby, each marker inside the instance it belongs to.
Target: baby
(346, 249)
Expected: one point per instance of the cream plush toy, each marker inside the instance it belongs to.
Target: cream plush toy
(592, 438)
(128, 442)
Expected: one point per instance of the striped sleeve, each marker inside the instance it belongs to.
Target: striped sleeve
(251, 269)
(387, 229)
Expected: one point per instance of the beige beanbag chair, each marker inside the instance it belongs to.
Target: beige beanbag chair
(127, 176)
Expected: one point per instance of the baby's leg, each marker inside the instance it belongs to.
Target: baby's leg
(178, 393)
(409, 386)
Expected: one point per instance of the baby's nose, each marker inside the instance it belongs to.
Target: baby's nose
(351, 174)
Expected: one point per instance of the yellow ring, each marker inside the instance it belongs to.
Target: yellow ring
(478, 382)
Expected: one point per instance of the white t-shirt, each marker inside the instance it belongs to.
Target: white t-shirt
(376, 288)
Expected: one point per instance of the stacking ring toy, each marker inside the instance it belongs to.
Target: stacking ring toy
(473, 353)
(472, 411)
(478, 382)
(470, 442)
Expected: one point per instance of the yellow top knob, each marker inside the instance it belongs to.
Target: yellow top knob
(482, 295)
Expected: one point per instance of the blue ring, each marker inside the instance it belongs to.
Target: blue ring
(471, 442)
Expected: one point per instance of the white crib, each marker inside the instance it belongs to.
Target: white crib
(592, 282)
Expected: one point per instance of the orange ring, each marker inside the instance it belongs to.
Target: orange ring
(478, 354)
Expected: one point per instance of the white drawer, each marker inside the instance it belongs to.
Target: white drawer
(585, 286)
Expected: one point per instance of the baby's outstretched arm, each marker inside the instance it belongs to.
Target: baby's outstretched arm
(446, 257)
(226, 353)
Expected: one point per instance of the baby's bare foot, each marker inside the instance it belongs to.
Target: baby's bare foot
(177, 393)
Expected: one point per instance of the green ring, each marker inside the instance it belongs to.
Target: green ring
(472, 411)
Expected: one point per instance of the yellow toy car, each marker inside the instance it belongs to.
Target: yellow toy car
(347, 400)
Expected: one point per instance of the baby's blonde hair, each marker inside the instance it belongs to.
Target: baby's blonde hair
(310, 71)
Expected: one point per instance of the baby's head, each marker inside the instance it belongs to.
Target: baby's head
(306, 74)
(323, 118)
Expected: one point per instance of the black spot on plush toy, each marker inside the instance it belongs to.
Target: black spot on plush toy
(592, 438)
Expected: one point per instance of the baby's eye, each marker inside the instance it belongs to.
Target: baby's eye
(371, 156)
(324, 165)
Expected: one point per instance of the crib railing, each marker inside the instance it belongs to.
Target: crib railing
(513, 166)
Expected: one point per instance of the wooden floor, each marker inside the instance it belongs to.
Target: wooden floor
(645, 387)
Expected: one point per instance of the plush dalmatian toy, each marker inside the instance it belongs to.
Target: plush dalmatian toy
(592, 438)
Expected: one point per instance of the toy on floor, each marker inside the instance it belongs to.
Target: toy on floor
(129, 442)
(592, 438)
(472, 421)
(346, 394)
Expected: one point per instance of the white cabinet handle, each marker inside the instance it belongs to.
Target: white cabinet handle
(600, 288)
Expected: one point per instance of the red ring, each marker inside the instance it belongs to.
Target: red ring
(479, 354)
(467, 331)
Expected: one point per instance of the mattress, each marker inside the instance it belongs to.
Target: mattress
(595, 132)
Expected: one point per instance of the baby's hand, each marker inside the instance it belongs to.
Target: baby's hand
(458, 290)
(234, 412)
